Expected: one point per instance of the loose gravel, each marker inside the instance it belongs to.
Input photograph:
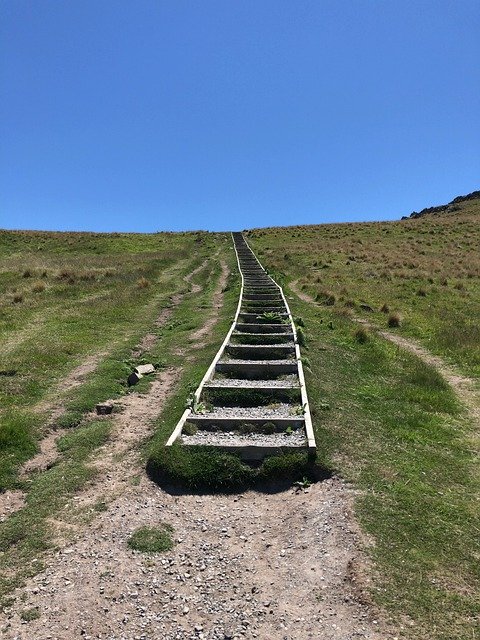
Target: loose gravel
(267, 413)
(266, 566)
(288, 382)
(234, 439)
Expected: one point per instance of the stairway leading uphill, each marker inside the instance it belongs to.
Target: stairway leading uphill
(253, 400)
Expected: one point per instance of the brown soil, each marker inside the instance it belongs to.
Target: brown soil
(268, 566)
(10, 501)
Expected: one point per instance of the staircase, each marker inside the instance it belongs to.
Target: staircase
(252, 400)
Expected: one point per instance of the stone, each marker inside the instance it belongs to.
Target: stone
(145, 369)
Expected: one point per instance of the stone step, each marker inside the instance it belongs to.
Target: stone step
(262, 338)
(217, 421)
(238, 395)
(249, 447)
(260, 310)
(262, 296)
(238, 383)
(257, 317)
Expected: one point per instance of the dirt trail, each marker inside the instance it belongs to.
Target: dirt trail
(150, 339)
(216, 305)
(279, 566)
(48, 449)
(464, 387)
(267, 566)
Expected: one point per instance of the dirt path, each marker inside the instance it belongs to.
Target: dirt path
(268, 566)
(465, 388)
(48, 448)
(217, 299)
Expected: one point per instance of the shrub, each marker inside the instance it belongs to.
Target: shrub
(27, 273)
(393, 320)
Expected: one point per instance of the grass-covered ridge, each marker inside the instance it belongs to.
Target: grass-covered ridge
(426, 270)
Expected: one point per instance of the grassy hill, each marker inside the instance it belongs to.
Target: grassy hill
(426, 270)
(78, 310)
(69, 296)
(385, 418)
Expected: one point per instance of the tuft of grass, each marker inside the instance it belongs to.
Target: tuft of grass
(328, 298)
(189, 429)
(152, 539)
(38, 287)
(301, 337)
(17, 298)
(143, 283)
(394, 320)
(361, 335)
(69, 420)
(28, 615)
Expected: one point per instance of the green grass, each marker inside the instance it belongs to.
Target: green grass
(392, 426)
(27, 535)
(91, 304)
(427, 270)
(384, 420)
(152, 539)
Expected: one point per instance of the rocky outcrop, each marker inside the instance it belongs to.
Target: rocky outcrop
(444, 208)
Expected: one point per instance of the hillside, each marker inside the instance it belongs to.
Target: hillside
(383, 545)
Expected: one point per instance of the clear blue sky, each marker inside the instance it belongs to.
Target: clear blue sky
(147, 115)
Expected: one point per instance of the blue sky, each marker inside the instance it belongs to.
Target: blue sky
(150, 115)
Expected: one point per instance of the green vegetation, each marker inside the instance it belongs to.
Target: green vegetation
(152, 539)
(208, 469)
(424, 271)
(29, 533)
(385, 420)
(91, 306)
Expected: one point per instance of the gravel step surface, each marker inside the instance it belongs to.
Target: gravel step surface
(281, 345)
(258, 413)
(233, 439)
(289, 382)
(226, 360)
